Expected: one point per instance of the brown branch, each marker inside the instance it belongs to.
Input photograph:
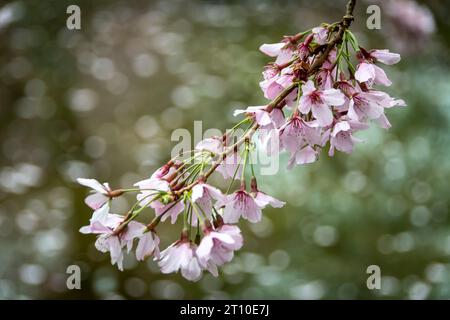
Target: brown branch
(345, 23)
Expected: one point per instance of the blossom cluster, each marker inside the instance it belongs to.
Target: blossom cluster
(322, 87)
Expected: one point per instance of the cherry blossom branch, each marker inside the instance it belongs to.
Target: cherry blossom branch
(328, 107)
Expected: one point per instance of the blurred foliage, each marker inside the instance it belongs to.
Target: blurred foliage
(103, 101)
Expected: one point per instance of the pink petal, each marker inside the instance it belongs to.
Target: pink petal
(386, 57)
(93, 184)
(197, 191)
(333, 97)
(273, 49)
(96, 200)
(323, 114)
(308, 87)
(147, 245)
(204, 249)
(381, 77)
(365, 72)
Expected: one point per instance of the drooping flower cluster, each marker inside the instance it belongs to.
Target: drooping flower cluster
(322, 89)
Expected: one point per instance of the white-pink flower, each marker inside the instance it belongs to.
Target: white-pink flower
(181, 256)
(304, 155)
(104, 224)
(100, 192)
(320, 35)
(204, 196)
(341, 137)
(320, 102)
(371, 73)
(368, 105)
(148, 245)
(297, 133)
(245, 205)
(367, 71)
(218, 245)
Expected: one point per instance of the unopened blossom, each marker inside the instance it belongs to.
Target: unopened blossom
(303, 48)
(218, 245)
(320, 102)
(327, 72)
(101, 193)
(181, 256)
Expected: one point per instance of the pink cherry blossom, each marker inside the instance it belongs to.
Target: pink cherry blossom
(296, 133)
(108, 243)
(368, 105)
(342, 138)
(148, 245)
(320, 102)
(304, 155)
(100, 192)
(132, 231)
(243, 204)
(240, 204)
(273, 86)
(263, 200)
(104, 225)
(281, 51)
(320, 35)
(181, 256)
(204, 195)
(371, 73)
(218, 245)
